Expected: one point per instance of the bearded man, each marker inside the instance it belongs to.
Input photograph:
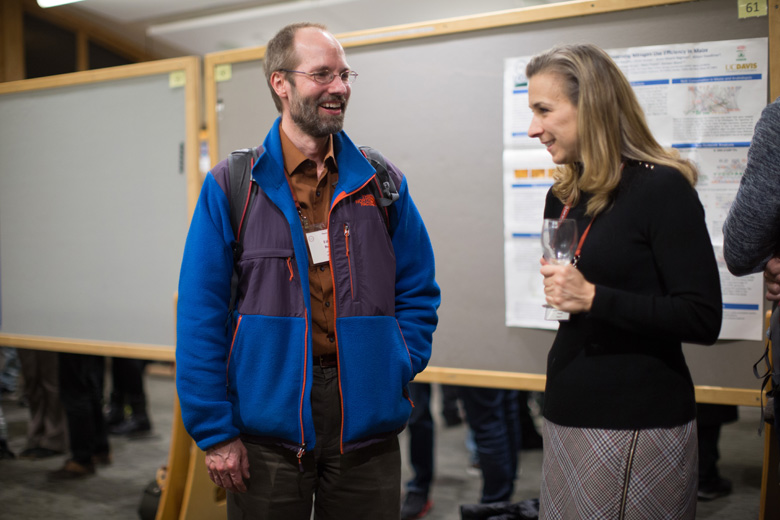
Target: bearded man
(299, 400)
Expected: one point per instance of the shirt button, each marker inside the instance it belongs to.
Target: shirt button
(327, 304)
(322, 268)
(331, 339)
(319, 193)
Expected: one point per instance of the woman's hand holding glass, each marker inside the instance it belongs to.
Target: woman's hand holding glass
(565, 289)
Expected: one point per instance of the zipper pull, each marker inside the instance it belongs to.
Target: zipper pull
(301, 451)
(346, 236)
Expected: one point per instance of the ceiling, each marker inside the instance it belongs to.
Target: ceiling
(198, 27)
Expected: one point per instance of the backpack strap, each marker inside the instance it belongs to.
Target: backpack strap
(386, 185)
(242, 193)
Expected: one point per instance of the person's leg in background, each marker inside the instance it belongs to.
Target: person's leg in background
(115, 410)
(7, 386)
(9, 376)
(710, 418)
(417, 502)
(47, 428)
(492, 415)
(450, 410)
(128, 389)
(81, 383)
(531, 440)
(5, 451)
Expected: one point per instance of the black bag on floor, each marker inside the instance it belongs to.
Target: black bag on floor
(150, 498)
(524, 510)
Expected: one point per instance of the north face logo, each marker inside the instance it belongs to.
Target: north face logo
(366, 200)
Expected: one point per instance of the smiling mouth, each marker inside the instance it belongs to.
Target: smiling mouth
(334, 104)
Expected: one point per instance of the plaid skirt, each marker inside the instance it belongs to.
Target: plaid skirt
(594, 474)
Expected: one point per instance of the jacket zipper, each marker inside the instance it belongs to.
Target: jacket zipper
(335, 308)
(302, 445)
(631, 451)
(349, 261)
(301, 451)
(289, 266)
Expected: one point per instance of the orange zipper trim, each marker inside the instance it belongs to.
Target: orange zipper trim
(303, 387)
(349, 261)
(230, 354)
(289, 266)
(339, 198)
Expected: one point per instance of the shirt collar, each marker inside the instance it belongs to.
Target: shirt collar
(293, 157)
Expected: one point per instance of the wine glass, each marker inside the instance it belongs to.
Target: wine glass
(559, 239)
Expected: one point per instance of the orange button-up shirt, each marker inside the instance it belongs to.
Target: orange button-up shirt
(314, 196)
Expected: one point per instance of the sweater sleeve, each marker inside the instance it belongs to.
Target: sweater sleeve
(203, 340)
(417, 295)
(687, 304)
(751, 232)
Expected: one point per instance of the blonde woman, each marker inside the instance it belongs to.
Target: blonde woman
(620, 430)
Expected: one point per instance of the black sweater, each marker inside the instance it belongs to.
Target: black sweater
(621, 366)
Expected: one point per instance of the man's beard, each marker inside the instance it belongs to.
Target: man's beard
(305, 114)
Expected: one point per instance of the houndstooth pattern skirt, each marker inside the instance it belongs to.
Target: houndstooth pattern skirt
(595, 474)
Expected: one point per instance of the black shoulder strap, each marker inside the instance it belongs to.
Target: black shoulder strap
(242, 193)
(240, 163)
(386, 184)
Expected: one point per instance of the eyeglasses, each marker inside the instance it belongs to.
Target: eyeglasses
(324, 77)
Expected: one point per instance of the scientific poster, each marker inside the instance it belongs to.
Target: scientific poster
(702, 99)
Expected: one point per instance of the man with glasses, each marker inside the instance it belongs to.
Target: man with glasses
(299, 399)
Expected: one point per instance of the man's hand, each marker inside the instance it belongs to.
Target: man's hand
(772, 278)
(228, 465)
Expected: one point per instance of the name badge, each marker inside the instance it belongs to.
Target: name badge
(551, 314)
(319, 247)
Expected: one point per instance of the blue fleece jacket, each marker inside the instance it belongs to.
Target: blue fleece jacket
(256, 379)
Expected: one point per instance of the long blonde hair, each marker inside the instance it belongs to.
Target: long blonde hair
(610, 123)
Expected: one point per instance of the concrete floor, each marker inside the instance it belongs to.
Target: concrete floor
(115, 492)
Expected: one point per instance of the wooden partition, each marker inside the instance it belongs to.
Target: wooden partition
(94, 208)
